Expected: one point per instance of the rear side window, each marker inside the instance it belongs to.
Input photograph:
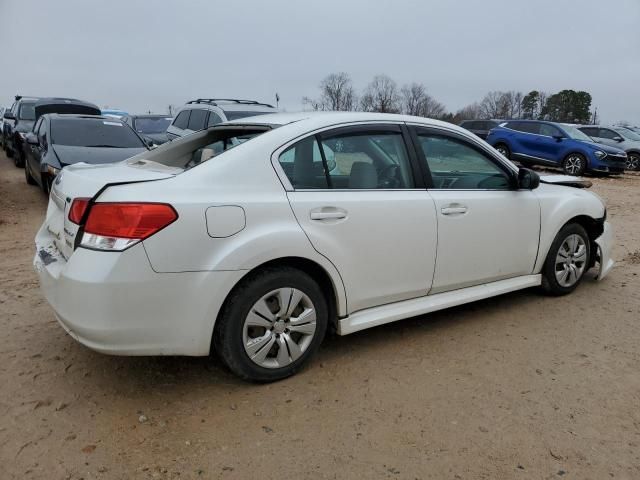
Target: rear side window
(182, 120)
(303, 165)
(592, 132)
(361, 160)
(197, 119)
(214, 119)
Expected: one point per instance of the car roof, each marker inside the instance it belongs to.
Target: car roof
(150, 115)
(80, 116)
(314, 120)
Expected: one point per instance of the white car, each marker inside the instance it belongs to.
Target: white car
(252, 238)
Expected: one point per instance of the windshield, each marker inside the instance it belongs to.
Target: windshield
(629, 134)
(576, 134)
(27, 111)
(152, 124)
(231, 115)
(93, 133)
(199, 147)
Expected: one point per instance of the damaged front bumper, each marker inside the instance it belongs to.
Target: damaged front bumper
(604, 245)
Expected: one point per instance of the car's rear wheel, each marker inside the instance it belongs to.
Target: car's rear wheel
(18, 159)
(271, 324)
(633, 162)
(8, 150)
(567, 260)
(503, 149)
(575, 164)
(27, 176)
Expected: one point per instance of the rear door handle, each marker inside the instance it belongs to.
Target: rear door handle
(327, 213)
(454, 210)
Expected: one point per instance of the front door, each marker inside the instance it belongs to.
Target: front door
(355, 196)
(487, 229)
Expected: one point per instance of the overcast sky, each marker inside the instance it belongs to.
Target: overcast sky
(144, 55)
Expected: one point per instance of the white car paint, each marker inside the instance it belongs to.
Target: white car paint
(395, 253)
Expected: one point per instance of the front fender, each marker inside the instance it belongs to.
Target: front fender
(559, 205)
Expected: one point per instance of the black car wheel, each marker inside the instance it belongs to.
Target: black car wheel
(633, 162)
(575, 164)
(27, 175)
(271, 324)
(503, 149)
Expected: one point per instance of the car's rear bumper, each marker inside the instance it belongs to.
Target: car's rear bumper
(113, 302)
(605, 244)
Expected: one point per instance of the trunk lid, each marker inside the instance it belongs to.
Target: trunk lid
(83, 180)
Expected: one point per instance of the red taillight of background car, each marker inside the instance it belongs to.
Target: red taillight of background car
(78, 207)
(128, 220)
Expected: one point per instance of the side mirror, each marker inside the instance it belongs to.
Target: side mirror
(8, 115)
(558, 138)
(528, 179)
(149, 142)
(618, 139)
(31, 138)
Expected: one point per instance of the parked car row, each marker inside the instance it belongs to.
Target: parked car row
(574, 148)
(46, 134)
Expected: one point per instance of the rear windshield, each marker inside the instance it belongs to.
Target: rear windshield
(27, 111)
(630, 134)
(189, 151)
(152, 124)
(233, 115)
(93, 133)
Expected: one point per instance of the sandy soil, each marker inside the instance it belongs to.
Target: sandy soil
(520, 386)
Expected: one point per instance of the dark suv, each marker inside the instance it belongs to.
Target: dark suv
(480, 127)
(18, 121)
(556, 144)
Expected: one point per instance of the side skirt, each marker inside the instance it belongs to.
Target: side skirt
(392, 312)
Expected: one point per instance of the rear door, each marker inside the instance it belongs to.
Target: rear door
(354, 194)
(487, 230)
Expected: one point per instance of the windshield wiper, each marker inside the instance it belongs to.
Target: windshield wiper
(102, 146)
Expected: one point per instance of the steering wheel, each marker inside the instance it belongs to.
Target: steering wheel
(389, 177)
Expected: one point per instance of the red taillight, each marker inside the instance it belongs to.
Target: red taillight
(78, 207)
(129, 220)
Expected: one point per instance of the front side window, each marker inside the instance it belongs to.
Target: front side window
(182, 120)
(549, 130)
(608, 134)
(454, 164)
(359, 160)
(591, 131)
(197, 119)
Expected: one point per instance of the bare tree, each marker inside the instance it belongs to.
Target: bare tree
(501, 105)
(469, 112)
(416, 101)
(336, 93)
(381, 95)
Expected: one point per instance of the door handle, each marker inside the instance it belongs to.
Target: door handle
(327, 213)
(454, 209)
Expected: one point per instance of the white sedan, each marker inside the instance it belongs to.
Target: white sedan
(252, 238)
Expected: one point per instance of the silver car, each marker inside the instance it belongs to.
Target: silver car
(619, 137)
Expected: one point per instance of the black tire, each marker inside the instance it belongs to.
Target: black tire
(574, 164)
(27, 175)
(18, 159)
(503, 149)
(550, 283)
(8, 151)
(229, 330)
(633, 162)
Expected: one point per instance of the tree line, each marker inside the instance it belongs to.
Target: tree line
(383, 94)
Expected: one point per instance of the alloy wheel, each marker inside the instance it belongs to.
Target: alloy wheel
(633, 162)
(571, 260)
(502, 150)
(573, 164)
(279, 328)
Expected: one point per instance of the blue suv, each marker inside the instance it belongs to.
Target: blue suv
(546, 143)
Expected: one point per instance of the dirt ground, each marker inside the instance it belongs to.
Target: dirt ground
(520, 386)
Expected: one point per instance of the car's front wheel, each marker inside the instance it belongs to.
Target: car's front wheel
(633, 162)
(271, 324)
(575, 164)
(27, 175)
(567, 260)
